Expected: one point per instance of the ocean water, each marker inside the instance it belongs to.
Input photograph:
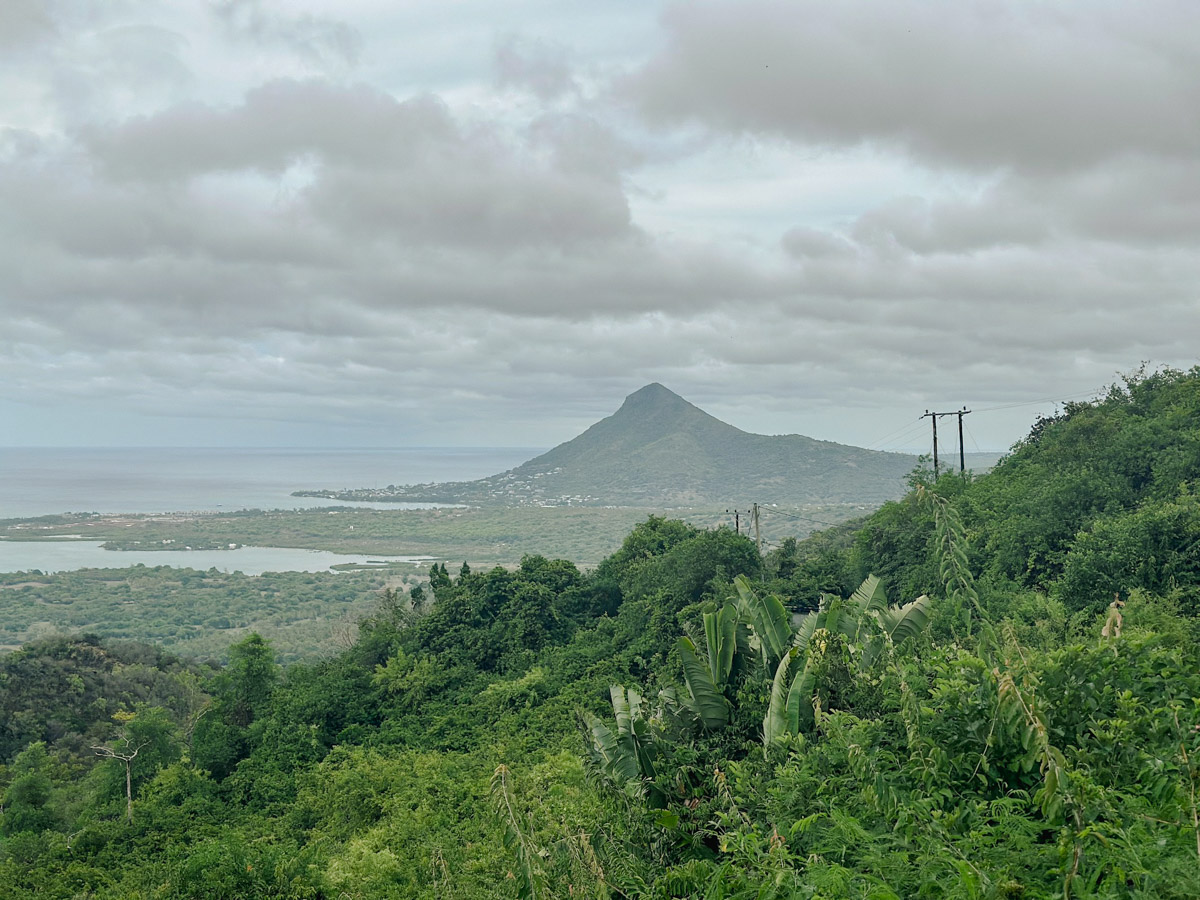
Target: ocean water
(46, 481)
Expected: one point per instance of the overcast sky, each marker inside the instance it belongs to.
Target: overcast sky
(484, 222)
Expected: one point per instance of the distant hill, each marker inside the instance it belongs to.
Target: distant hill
(658, 450)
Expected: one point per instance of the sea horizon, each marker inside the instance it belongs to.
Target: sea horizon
(39, 481)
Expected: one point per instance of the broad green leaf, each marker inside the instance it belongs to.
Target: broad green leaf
(720, 632)
(776, 723)
(707, 701)
(909, 620)
(799, 701)
(676, 715)
(667, 819)
(809, 623)
(872, 647)
(869, 596)
(614, 757)
(620, 705)
(835, 619)
(768, 618)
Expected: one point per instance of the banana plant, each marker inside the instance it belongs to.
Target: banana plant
(790, 709)
(868, 624)
(751, 629)
(706, 679)
(768, 621)
(865, 619)
(626, 758)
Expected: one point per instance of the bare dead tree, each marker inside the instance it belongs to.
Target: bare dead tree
(127, 756)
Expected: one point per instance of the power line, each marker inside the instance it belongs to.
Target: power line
(974, 443)
(900, 434)
(893, 434)
(1037, 402)
(779, 512)
(903, 437)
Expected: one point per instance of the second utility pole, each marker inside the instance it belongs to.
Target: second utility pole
(757, 533)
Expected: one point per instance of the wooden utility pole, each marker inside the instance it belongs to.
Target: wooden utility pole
(762, 564)
(737, 521)
(933, 417)
(962, 458)
(962, 454)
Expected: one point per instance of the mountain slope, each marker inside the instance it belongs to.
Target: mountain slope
(659, 450)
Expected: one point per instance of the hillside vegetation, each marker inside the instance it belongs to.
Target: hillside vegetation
(988, 689)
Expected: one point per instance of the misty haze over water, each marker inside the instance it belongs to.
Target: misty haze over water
(41, 481)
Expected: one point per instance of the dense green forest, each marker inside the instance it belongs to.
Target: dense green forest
(987, 689)
(200, 614)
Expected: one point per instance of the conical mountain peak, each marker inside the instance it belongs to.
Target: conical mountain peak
(654, 392)
(658, 450)
(656, 400)
(648, 414)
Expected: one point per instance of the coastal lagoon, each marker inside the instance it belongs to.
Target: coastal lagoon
(153, 480)
(69, 555)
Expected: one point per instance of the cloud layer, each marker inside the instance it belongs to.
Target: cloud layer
(803, 217)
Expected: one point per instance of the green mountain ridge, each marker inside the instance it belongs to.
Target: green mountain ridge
(660, 450)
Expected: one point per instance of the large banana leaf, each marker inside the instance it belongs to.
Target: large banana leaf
(720, 632)
(748, 648)
(809, 623)
(872, 648)
(677, 717)
(768, 618)
(836, 618)
(800, 698)
(707, 702)
(620, 705)
(869, 596)
(632, 736)
(909, 620)
(777, 724)
(791, 707)
(635, 709)
(611, 755)
(868, 599)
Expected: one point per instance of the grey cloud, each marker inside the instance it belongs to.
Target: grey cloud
(537, 66)
(1139, 200)
(1131, 199)
(24, 24)
(470, 198)
(812, 243)
(103, 68)
(278, 124)
(926, 226)
(384, 169)
(582, 145)
(324, 41)
(976, 84)
(468, 267)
